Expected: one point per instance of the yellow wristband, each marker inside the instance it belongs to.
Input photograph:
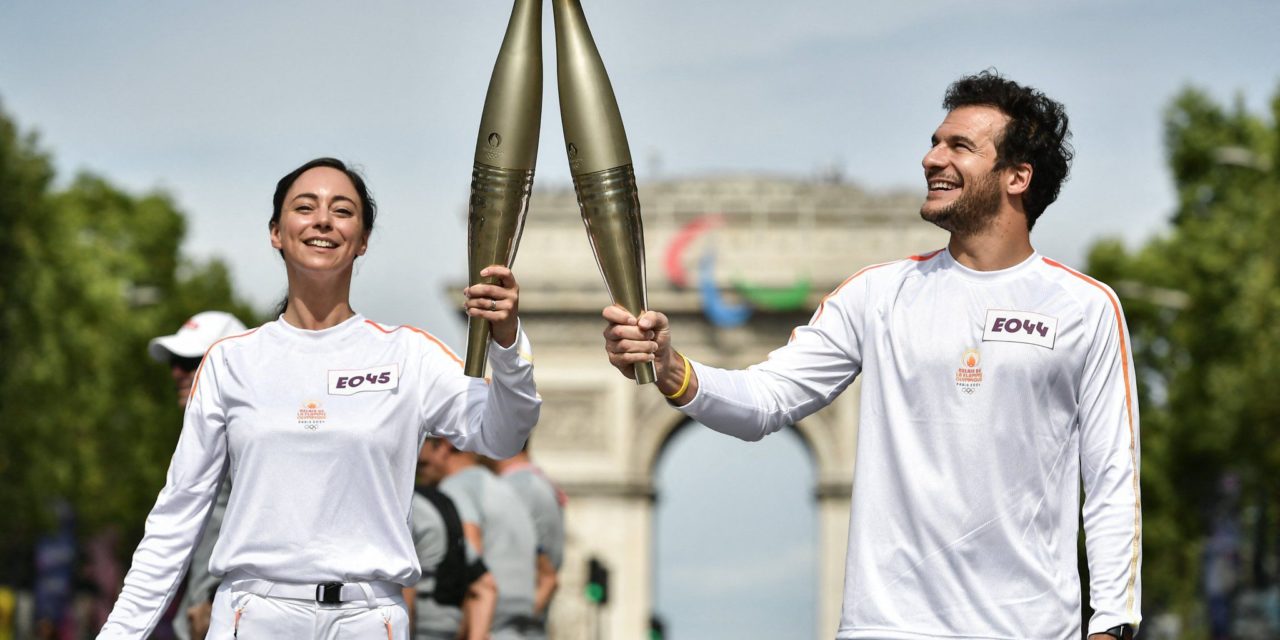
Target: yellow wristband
(684, 385)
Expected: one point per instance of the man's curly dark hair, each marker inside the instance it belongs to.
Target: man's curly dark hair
(1036, 134)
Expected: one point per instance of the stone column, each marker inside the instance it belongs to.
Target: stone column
(833, 541)
(833, 436)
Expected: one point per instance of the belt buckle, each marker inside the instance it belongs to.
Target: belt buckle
(329, 593)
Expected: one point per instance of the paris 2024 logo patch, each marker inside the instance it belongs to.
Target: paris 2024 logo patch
(969, 375)
(311, 416)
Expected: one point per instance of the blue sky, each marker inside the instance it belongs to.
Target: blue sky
(212, 102)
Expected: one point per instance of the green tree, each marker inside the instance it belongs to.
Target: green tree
(89, 275)
(1203, 305)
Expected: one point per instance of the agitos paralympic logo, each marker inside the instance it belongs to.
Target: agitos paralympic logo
(719, 311)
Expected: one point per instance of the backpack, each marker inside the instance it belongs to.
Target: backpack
(454, 574)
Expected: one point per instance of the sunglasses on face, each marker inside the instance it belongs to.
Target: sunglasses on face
(186, 364)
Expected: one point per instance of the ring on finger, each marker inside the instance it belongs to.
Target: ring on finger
(493, 305)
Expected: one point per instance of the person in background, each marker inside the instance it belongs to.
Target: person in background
(546, 503)
(55, 562)
(457, 595)
(497, 524)
(182, 351)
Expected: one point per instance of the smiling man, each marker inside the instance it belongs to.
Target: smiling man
(995, 381)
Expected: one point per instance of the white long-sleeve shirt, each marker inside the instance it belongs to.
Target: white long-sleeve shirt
(319, 432)
(986, 398)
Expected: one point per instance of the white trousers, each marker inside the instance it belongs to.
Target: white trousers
(239, 614)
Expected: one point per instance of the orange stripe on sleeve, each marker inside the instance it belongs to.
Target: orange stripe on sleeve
(823, 302)
(196, 380)
(1133, 439)
(449, 352)
(925, 257)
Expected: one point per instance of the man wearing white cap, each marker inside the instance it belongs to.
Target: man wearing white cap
(183, 351)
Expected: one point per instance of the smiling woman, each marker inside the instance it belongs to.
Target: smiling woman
(323, 198)
(316, 540)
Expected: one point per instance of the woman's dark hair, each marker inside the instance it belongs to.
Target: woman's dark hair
(1036, 134)
(368, 208)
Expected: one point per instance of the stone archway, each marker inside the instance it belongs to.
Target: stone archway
(600, 435)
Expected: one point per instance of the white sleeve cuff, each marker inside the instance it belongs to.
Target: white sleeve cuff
(513, 358)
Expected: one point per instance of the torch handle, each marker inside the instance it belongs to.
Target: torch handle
(645, 373)
(477, 347)
(610, 209)
(499, 202)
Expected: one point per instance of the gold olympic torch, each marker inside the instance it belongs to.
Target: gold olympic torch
(506, 151)
(600, 162)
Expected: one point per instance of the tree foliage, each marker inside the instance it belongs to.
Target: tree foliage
(1203, 305)
(89, 275)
